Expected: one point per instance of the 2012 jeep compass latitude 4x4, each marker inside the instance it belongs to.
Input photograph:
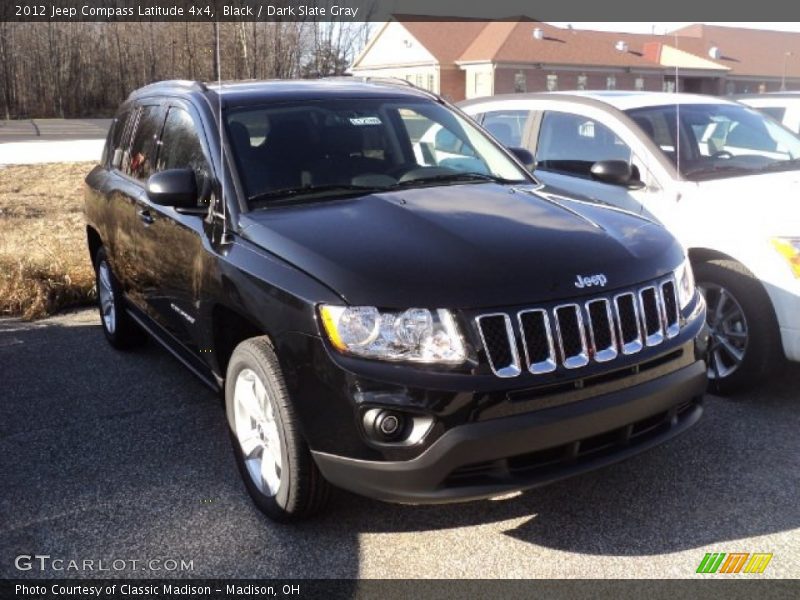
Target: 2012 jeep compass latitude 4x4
(411, 328)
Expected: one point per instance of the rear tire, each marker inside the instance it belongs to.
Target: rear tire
(121, 331)
(273, 458)
(744, 347)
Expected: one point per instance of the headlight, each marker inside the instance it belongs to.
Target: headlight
(417, 334)
(790, 250)
(684, 277)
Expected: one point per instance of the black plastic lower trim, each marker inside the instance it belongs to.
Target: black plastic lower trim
(427, 478)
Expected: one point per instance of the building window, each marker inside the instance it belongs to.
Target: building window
(730, 88)
(419, 80)
(552, 82)
(668, 86)
(520, 83)
(430, 82)
(611, 82)
(638, 84)
(583, 82)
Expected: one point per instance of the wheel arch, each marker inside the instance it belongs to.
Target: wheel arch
(94, 241)
(697, 255)
(229, 328)
(700, 254)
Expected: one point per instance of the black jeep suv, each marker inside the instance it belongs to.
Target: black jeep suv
(382, 295)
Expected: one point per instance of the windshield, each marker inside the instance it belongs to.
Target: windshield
(304, 148)
(719, 140)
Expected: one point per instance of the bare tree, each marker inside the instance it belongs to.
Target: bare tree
(80, 69)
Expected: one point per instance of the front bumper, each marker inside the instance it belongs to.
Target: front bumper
(497, 456)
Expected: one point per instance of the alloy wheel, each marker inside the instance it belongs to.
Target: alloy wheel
(256, 429)
(105, 294)
(728, 331)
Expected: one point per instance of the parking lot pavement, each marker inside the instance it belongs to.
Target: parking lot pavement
(49, 151)
(107, 455)
(36, 141)
(53, 129)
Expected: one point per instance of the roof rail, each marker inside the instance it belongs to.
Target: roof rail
(182, 83)
(384, 80)
(373, 79)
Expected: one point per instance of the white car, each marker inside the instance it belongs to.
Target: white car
(784, 107)
(722, 176)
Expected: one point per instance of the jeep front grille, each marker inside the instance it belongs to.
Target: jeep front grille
(571, 335)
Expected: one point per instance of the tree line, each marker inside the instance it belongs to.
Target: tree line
(86, 69)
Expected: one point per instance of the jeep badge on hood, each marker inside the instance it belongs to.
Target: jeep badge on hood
(591, 280)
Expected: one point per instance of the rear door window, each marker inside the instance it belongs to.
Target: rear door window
(141, 160)
(118, 138)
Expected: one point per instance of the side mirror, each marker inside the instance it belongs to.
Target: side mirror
(174, 187)
(616, 172)
(523, 155)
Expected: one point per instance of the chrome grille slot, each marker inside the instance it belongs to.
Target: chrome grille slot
(537, 341)
(628, 326)
(570, 336)
(601, 330)
(670, 303)
(651, 316)
(500, 344)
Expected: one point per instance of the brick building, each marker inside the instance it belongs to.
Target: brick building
(467, 59)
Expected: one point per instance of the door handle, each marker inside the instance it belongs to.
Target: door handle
(145, 216)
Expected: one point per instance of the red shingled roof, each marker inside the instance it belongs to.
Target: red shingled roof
(746, 52)
(755, 52)
(446, 40)
(515, 42)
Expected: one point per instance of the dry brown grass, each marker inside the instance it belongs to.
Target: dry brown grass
(44, 263)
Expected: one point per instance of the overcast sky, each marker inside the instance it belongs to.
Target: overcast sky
(662, 27)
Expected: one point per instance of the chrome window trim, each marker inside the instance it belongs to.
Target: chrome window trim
(513, 369)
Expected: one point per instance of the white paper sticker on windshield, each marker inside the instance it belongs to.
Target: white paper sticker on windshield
(365, 120)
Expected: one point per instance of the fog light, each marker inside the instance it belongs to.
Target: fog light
(388, 424)
(384, 425)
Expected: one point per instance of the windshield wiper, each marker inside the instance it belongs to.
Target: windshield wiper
(464, 176)
(700, 171)
(287, 195)
(780, 165)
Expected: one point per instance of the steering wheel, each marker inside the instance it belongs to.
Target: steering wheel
(722, 154)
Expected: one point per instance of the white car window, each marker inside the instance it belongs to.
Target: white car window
(718, 140)
(570, 143)
(507, 126)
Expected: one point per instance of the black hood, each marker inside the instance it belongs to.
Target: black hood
(462, 246)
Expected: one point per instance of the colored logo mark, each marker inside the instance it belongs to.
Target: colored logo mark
(734, 562)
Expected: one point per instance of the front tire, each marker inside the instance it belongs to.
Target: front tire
(121, 331)
(744, 345)
(274, 460)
